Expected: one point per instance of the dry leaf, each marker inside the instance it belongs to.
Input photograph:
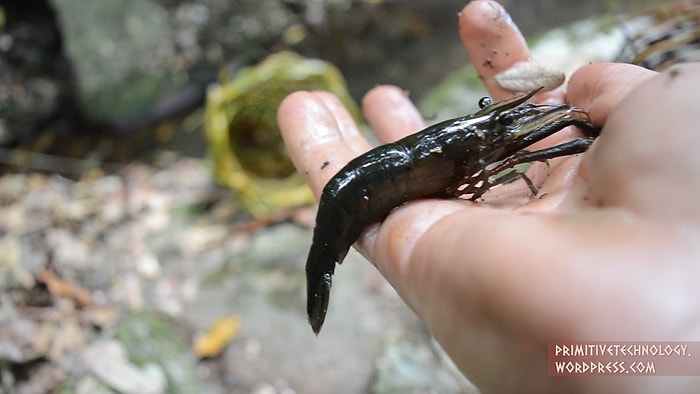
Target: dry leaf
(60, 288)
(220, 334)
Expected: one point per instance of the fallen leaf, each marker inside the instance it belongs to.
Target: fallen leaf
(220, 334)
(60, 288)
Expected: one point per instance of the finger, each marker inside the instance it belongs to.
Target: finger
(598, 88)
(647, 150)
(346, 125)
(391, 113)
(493, 42)
(319, 135)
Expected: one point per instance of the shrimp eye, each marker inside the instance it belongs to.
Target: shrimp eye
(505, 120)
(485, 102)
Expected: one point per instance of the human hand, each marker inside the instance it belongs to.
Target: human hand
(608, 255)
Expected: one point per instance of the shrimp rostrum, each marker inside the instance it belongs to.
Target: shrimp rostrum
(461, 157)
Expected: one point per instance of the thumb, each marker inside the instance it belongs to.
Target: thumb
(598, 88)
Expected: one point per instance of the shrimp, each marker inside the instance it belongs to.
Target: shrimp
(464, 156)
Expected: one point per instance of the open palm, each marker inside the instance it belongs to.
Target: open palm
(610, 253)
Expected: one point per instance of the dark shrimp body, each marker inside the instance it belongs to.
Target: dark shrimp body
(436, 162)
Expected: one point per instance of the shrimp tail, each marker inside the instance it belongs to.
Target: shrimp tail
(319, 279)
(334, 234)
(326, 251)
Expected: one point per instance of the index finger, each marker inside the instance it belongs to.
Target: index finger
(319, 134)
(494, 44)
(598, 88)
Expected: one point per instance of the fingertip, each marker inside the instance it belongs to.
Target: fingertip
(391, 113)
(319, 134)
(598, 88)
(381, 92)
(290, 104)
(493, 42)
(293, 114)
(381, 95)
(292, 126)
(479, 15)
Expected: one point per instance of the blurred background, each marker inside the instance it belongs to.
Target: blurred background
(152, 232)
(105, 64)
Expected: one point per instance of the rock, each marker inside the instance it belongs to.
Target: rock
(420, 366)
(154, 340)
(108, 362)
(118, 50)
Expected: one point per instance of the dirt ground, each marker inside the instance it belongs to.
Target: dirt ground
(109, 282)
